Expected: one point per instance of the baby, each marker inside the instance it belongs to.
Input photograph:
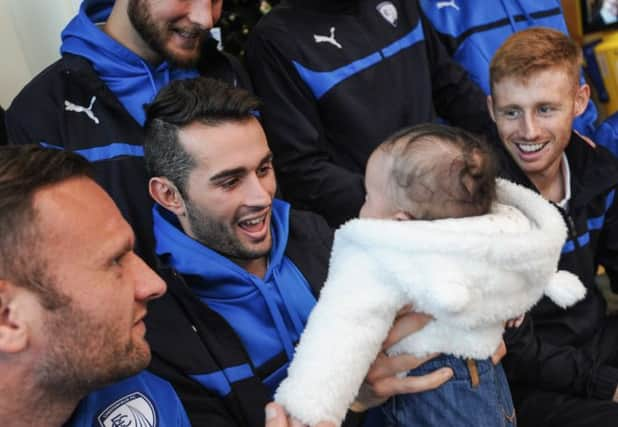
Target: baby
(437, 231)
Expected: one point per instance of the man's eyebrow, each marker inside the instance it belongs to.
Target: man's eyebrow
(267, 158)
(239, 171)
(227, 173)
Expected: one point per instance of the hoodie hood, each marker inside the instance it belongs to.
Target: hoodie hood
(133, 81)
(269, 313)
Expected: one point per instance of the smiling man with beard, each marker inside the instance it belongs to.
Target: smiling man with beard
(116, 56)
(253, 266)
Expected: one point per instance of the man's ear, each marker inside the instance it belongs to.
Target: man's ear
(14, 327)
(582, 96)
(490, 107)
(165, 193)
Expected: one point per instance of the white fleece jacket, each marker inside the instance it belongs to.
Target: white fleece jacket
(471, 274)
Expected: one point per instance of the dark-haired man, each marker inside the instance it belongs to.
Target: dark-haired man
(116, 56)
(253, 266)
(73, 297)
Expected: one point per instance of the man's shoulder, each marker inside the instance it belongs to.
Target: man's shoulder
(306, 224)
(143, 399)
(50, 83)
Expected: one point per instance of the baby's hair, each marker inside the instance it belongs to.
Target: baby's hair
(440, 171)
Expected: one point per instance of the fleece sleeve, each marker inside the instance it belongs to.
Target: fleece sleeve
(308, 176)
(342, 338)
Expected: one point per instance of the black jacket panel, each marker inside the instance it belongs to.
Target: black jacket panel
(555, 349)
(327, 107)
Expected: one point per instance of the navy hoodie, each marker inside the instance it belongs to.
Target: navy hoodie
(268, 314)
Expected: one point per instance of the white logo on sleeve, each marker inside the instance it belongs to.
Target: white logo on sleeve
(327, 39)
(69, 106)
(133, 410)
(388, 12)
(443, 4)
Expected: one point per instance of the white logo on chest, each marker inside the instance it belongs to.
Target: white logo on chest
(134, 410)
(327, 39)
(388, 12)
(69, 106)
(443, 4)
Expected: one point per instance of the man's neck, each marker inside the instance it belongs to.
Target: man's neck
(256, 266)
(550, 183)
(30, 406)
(120, 28)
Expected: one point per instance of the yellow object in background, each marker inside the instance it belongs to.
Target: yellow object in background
(606, 53)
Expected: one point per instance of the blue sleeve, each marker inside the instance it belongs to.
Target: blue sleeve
(141, 400)
(606, 134)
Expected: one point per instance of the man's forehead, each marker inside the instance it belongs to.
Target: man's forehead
(78, 212)
(227, 145)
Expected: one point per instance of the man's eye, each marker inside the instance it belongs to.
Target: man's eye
(510, 114)
(229, 183)
(263, 170)
(546, 109)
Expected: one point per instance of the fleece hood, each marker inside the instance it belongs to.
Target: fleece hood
(133, 80)
(471, 274)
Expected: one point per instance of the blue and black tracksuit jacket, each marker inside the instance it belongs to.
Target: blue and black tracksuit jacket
(561, 350)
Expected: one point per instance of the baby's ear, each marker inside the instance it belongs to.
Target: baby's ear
(403, 216)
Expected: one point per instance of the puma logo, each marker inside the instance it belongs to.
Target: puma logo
(443, 4)
(330, 39)
(69, 106)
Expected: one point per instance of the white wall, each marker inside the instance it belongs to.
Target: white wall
(29, 40)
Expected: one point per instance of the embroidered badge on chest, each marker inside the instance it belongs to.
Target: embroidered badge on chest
(388, 12)
(134, 410)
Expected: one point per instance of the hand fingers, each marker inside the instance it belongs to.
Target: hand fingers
(393, 385)
(385, 366)
(499, 353)
(407, 323)
(275, 416)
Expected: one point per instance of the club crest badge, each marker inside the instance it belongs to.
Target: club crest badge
(134, 410)
(388, 12)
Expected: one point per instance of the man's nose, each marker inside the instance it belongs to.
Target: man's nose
(148, 284)
(257, 193)
(530, 127)
(200, 13)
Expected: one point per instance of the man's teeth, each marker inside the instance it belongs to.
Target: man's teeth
(187, 34)
(253, 221)
(530, 148)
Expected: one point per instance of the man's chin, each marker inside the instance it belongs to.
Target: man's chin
(182, 59)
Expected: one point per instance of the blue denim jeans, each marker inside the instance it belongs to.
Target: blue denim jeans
(457, 403)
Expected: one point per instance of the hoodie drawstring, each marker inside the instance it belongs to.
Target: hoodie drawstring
(282, 330)
(294, 317)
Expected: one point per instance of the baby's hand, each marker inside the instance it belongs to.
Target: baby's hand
(516, 322)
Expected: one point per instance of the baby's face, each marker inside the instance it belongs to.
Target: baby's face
(377, 203)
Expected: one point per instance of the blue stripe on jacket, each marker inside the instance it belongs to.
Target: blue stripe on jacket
(321, 82)
(595, 223)
(106, 152)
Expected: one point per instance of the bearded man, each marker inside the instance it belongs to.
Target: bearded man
(116, 56)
